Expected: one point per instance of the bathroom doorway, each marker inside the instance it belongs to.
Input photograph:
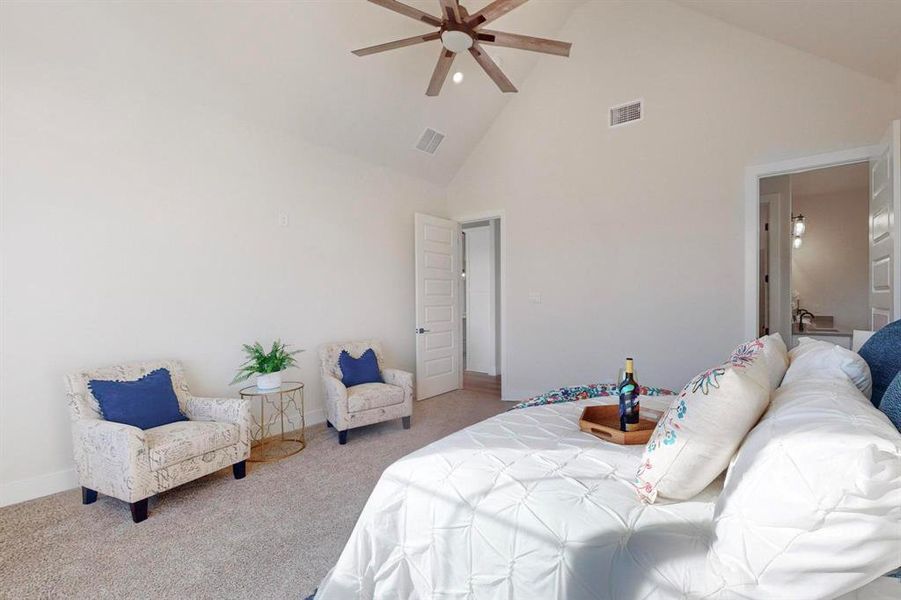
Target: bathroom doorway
(814, 277)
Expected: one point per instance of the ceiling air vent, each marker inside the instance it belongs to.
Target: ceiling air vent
(626, 113)
(429, 141)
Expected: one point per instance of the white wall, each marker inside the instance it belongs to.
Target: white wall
(829, 270)
(139, 223)
(480, 316)
(634, 236)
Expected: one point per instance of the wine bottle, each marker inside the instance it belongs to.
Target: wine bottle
(628, 400)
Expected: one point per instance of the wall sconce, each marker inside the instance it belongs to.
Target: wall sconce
(799, 225)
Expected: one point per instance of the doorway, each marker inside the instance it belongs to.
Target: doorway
(814, 254)
(481, 306)
(883, 236)
(443, 361)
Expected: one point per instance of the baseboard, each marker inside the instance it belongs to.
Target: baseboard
(518, 395)
(21, 490)
(13, 492)
(314, 417)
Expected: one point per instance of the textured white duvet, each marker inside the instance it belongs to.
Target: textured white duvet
(522, 506)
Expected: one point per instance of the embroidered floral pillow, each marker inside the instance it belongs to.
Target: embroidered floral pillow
(704, 426)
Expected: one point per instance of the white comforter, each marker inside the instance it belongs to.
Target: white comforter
(522, 506)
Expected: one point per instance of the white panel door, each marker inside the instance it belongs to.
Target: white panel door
(884, 237)
(438, 323)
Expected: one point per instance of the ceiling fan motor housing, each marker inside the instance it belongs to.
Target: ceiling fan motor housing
(456, 40)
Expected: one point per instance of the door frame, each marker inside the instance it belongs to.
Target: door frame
(500, 215)
(753, 175)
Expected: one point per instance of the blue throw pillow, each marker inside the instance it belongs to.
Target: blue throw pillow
(145, 403)
(883, 354)
(356, 371)
(891, 402)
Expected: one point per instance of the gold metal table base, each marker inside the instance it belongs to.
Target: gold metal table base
(277, 447)
(280, 401)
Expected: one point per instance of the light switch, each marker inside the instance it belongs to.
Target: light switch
(535, 297)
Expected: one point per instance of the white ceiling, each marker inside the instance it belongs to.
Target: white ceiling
(290, 65)
(864, 35)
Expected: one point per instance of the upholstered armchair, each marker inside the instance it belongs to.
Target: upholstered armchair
(132, 464)
(368, 403)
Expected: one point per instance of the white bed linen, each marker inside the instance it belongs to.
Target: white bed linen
(522, 505)
(525, 506)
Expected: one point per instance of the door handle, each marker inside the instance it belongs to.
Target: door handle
(421, 330)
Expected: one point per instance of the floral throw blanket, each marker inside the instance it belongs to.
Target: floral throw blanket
(581, 392)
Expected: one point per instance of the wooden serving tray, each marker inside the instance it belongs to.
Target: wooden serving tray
(603, 422)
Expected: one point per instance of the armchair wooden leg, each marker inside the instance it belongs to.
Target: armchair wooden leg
(88, 496)
(406, 421)
(139, 510)
(328, 424)
(342, 437)
(240, 469)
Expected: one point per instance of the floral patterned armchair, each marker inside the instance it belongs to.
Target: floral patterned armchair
(132, 464)
(367, 403)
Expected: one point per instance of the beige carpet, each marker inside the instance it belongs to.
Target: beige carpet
(274, 534)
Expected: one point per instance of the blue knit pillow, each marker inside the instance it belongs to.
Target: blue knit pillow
(883, 353)
(891, 402)
(145, 403)
(356, 371)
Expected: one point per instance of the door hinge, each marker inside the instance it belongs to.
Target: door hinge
(766, 227)
(766, 278)
(766, 330)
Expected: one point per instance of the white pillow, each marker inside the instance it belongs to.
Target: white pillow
(704, 426)
(814, 358)
(776, 356)
(811, 507)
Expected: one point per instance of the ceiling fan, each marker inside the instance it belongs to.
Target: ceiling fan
(459, 31)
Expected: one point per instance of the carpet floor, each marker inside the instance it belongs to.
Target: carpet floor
(274, 534)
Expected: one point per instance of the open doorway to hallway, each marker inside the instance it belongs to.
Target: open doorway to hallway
(481, 306)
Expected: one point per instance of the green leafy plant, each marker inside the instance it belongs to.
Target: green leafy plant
(260, 362)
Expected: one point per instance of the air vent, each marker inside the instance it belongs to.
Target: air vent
(626, 113)
(429, 141)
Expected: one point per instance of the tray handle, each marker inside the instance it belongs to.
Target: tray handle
(601, 433)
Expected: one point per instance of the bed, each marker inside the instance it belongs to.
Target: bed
(524, 505)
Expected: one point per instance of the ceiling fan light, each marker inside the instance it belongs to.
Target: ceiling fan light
(456, 41)
(458, 77)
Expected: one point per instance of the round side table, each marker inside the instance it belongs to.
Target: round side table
(265, 447)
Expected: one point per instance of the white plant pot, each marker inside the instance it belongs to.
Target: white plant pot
(269, 381)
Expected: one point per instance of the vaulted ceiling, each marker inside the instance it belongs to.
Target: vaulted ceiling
(864, 35)
(289, 65)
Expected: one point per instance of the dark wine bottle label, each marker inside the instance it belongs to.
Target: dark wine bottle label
(628, 400)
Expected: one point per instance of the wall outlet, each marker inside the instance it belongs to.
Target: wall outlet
(284, 220)
(535, 297)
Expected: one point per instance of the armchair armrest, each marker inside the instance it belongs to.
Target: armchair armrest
(228, 410)
(225, 410)
(335, 400)
(112, 458)
(402, 379)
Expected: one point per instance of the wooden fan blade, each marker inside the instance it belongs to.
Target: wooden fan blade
(494, 72)
(495, 10)
(408, 11)
(451, 10)
(445, 60)
(418, 39)
(523, 42)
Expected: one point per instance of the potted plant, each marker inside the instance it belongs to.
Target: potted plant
(267, 366)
